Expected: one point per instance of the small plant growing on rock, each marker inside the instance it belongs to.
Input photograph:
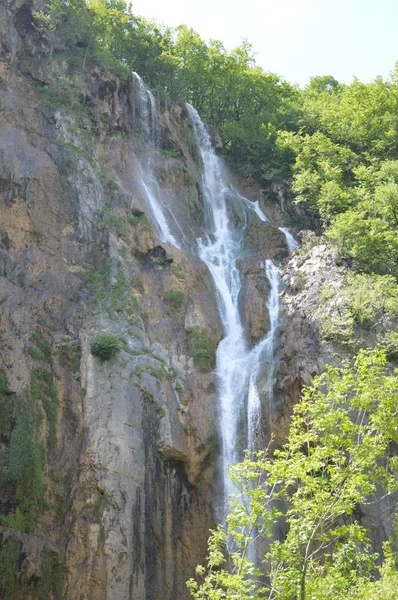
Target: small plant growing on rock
(203, 349)
(106, 345)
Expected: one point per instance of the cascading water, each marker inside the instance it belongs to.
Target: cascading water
(290, 241)
(220, 252)
(237, 367)
(263, 354)
(146, 122)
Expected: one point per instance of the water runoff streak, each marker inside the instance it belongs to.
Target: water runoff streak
(290, 241)
(147, 124)
(264, 352)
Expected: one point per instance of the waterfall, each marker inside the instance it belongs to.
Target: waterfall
(147, 124)
(290, 241)
(237, 367)
(220, 248)
(252, 206)
(263, 354)
(220, 252)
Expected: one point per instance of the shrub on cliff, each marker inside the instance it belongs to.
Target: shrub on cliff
(174, 299)
(106, 345)
(203, 349)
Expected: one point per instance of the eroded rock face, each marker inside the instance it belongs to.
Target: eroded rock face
(129, 478)
(130, 444)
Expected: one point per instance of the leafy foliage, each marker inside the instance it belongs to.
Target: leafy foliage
(345, 171)
(336, 143)
(106, 345)
(369, 308)
(333, 460)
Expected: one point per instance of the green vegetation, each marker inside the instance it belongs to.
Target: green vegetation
(11, 577)
(6, 408)
(174, 299)
(40, 350)
(141, 219)
(69, 353)
(22, 462)
(113, 296)
(43, 389)
(106, 345)
(22, 454)
(14, 580)
(119, 224)
(203, 349)
(231, 93)
(344, 168)
(333, 461)
(333, 148)
(370, 305)
(51, 583)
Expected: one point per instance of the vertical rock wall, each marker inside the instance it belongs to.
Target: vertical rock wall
(127, 480)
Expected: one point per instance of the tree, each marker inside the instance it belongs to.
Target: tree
(335, 459)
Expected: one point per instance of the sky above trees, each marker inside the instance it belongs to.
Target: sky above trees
(296, 39)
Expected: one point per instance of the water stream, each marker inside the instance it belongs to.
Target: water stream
(147, 124)
(220, 251)
(263, 354)
(237, 367)
(290, 241)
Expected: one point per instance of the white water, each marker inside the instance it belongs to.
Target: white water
(220, 252)
(149, 127)
(237, 367)
(253, 206)
(263, 354)
(290, 241)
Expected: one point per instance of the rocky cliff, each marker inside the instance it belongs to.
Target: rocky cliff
(109, 464)
(110, 483)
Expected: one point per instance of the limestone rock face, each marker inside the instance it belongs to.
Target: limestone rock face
(313, 299)
(129, 477)
(303, 351)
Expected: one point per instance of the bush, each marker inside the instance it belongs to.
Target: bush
(203, 350)
(106, 345)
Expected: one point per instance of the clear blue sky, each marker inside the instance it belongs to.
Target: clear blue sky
(295, 38)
